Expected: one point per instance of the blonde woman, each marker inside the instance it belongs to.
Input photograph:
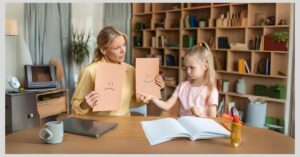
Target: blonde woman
(198, 95)
(111, 49)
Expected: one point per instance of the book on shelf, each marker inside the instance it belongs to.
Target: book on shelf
(160, 41)
(247, 67)
(261, 47)
(170, 60)
(187, 21)
(263, 66)
(241, 66)
(221, 107)
(230, 105)
(267, 66)
(153, 42)
(257, 42)
(218, 63)
(225, 86)
(194, 128)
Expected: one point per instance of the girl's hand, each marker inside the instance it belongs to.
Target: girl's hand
(160, 81)
(196, 111)
(145, 98)
(91, 99)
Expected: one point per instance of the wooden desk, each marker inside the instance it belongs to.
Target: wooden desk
(129, 137)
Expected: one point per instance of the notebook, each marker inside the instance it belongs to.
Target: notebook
(194, 128)
(87, 127)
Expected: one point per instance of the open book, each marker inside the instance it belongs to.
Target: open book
(166, 129)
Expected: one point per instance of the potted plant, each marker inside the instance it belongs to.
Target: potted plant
(281, 36)
(79, 47)
(202, 21)
(276, 42)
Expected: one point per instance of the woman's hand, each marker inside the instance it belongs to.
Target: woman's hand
(90, 100)
(197, 112)
(145, 98)
(160, 81)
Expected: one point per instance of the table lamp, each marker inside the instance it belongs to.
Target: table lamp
(11, 27)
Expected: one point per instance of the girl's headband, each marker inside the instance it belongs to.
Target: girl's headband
(203, 44)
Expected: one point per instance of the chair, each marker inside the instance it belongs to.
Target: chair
(141, 110)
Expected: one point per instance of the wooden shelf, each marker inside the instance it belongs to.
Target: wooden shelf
(221, 5)
(264, 98)
(232, 27)
(138, 14)
(141, 47)
(165, 11)
(170, 67)
(172, 86)
(176, 28)
(251, 74)
(197, 8)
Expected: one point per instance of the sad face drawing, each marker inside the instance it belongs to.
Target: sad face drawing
(109, 83)
(110, 86)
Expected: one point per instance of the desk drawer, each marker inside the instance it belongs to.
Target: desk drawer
(52, 107)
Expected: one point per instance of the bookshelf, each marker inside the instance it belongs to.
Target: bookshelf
(245, 27)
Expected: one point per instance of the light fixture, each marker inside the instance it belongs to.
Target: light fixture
(11, 27)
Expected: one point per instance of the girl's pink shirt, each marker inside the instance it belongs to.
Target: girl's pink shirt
(198, 96)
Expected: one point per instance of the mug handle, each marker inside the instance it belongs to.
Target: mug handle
(47, 131)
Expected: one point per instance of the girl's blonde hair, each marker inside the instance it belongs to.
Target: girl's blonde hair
(204, 54)
(104, 38)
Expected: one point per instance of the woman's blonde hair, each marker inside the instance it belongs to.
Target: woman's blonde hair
(204, 54)
(104, 38)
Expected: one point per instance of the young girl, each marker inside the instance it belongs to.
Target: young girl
(198, 95)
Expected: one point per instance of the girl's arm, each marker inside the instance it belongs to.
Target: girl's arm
(165, 105)
(210, 112)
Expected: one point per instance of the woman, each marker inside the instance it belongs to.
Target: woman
(111, 49)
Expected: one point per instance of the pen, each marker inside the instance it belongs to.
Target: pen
(225, 126)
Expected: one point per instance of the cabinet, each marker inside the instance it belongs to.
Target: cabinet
(30, 109)
(233, 31)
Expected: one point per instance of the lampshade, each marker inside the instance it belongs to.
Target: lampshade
(11, 27)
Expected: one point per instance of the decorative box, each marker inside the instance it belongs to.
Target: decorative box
(260, 90)
(277, 91)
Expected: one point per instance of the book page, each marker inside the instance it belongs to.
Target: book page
(162, 130)
(202, 128)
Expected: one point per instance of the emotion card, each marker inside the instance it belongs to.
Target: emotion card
(146, 71)
(109, 83)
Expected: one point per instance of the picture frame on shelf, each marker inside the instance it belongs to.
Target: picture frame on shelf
(260, 19)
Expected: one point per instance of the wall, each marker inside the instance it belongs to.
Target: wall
(87, 17)
(16, 52)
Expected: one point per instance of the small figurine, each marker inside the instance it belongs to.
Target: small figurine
(270, 20)
(282, 22)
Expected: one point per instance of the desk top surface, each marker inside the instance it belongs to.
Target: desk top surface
(129, 138)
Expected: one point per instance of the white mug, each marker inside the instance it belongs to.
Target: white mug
(53, 132)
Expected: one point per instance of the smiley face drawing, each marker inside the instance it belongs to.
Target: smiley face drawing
(149, 79)
(110, 86)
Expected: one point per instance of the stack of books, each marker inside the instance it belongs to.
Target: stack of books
(243, 66)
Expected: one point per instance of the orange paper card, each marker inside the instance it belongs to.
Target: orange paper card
(146, 71)
(109, 83)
